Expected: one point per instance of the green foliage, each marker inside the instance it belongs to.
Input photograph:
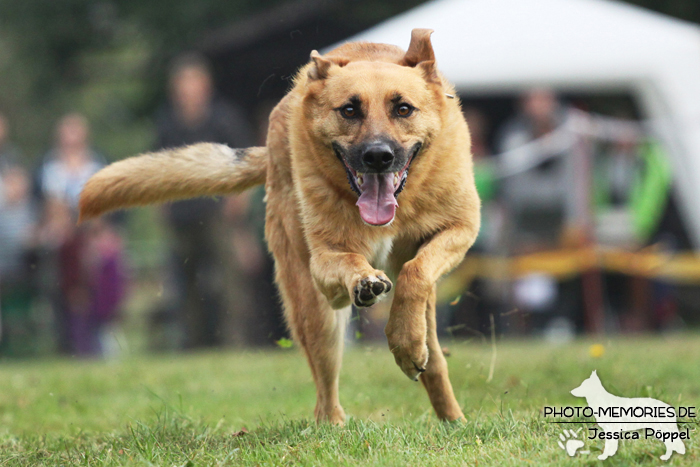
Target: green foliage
(105, 59)
(285, 343)
(109, 59)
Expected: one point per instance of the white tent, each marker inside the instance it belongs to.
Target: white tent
(495, 46)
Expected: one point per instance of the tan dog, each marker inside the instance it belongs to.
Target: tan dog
(341, 202)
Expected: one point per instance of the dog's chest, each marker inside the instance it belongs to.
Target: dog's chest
(380, 252)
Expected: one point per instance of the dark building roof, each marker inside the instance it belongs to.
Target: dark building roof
(255, 59)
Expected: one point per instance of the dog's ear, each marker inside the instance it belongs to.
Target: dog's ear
(594, 375)
(420, 49)
(420, 54)
(322, 65)
(429, 70)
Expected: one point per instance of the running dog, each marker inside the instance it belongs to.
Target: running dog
(340, 203)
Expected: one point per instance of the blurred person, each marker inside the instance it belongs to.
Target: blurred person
(540, 113)
(633, 187)
(484, 296)
(211, 280)
(105, 263)
(61, 244)
(485, 179)
(56, 227)
(92, 283)
(17, 223)
(539, 206)
(70, 163)
(617, 171)
(478, 130)
(538, 201)
(9, 154)
(269, 325)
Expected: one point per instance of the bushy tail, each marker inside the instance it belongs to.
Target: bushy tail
(203, 169)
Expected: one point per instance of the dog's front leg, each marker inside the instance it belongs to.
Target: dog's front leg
(406, 330)
(344, 277)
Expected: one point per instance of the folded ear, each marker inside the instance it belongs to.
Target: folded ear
(322, 65)
(420, 49)
(420, 54)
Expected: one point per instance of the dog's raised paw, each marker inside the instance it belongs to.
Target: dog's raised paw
(370, 289)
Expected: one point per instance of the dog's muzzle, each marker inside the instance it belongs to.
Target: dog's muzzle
(377, 182)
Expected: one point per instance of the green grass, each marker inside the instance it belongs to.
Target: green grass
(190, 409)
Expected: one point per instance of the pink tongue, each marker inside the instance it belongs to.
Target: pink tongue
(377, 203)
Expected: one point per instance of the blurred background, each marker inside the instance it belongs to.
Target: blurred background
(585, 121)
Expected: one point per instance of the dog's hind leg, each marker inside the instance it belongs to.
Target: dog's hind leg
(320, 331)
(324, 350)
(435, 378)
(317, 328)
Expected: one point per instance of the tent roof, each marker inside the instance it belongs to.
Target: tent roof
(492, 44)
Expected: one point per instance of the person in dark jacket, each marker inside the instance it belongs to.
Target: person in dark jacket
(201, 258)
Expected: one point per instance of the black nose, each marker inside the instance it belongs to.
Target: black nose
(378, 157)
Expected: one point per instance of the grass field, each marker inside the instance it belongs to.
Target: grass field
(192, 409)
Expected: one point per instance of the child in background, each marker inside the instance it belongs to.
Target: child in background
(17, 223)
(93, 285)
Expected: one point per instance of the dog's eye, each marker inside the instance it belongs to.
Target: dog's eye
(404, 110)
(349, 111)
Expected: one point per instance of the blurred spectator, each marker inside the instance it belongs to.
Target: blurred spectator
(539, 206)
(210, 279)
(92, 284)
(17, 221)
(485, 179)
(538, 201)
(70, 163)
(616, 172)
(56, 227)
(9, 155)
(81, 266)
(632, 191)
(471, 313)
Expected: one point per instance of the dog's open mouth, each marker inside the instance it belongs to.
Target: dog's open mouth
(378, 191)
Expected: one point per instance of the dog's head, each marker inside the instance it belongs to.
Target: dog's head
(375, 117)
(590, 386)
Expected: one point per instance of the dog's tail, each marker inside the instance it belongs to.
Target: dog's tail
(203, 169)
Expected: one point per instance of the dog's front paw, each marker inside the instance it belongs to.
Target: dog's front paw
(370, 289)
(411, 354)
